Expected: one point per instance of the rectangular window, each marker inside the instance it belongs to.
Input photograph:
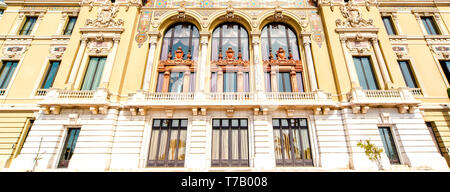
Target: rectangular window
(50, 76)
(69, 147)
(6, 73)
(159, 86)
(28, 26)
(389, 26)
(214, 82)
(284, 82)
(446, 68)
(192, 82)
(94, 73)
(230, 143)
(407, 74)
(70, 25)
(430, 25)
(291, 139)
(365, 73)
(430, 126)
(176, 82)
(389, 144)
(168, 143)
(299, 82)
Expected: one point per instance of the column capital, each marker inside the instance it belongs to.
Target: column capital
(306, 40)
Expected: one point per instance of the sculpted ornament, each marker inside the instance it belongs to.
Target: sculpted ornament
(352, 17)
(105, 16)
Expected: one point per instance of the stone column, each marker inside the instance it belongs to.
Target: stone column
(76, 64)
(186, 82)
(381, 64)
(106, 76)
(310, 62)
(166, 80)
(201, 69)
(350, 65)
(273, 79)
(151, 54)
(258, 66)
(219, 82)
(293, 75)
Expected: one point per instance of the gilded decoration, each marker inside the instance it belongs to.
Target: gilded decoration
(178, 60)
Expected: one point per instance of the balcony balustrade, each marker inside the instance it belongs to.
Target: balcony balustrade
(95, 100)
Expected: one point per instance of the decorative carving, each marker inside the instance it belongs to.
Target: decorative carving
(230, 59)
(105, 16)
(353, 18)
(295, 65)
(177, 62)
(57, 51)
(14, 51)
(99, 47)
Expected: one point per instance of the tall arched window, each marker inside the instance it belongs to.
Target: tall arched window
(230, 55)
(178, 56)
(281, 57)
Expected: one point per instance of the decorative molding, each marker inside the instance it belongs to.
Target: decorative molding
(15, 51)
(57, 51)
(353, 17)
(105, 17)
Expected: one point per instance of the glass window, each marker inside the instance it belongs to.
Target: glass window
(70, 26)
(389, 144)
(50, 76)
(446, 68)
(1, 12)
(6, 72)
(276, 35)
(184, 35)
(292, 145)
(168, 143)
(365, 73)
(430, 125)
(230, 82)
(94, 73)
(230, 35)
(176, 82)
(284, 82)
(28, 26)
(430, 25)
(230, 143)
(407, 74)
(389, 26)
(69, 147)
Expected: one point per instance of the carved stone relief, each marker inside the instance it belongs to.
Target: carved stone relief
(105, 17)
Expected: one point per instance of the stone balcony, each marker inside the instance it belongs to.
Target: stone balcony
(402, 98)
(137, 102)
(96, 100)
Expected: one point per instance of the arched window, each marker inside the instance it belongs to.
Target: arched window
(178, 55)
(281, 58)
(230, 55)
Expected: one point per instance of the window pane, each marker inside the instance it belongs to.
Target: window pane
(365, 73)
(389, 145)
(284, 82)
(50, 76)
(267, 81)
(93, 73)
(69, 147)
(6, 73)
(300, 82)
(28, 26)
(291, 142)
(176, 82)
(70, 26)
(229, 146)
(276, 35)
(226, 36)
(407, 74)
(430, 25)
(184, 35)
(389, 26)
(230, 82)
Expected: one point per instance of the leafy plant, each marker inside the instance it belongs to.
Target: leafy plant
(372, 152)
(448, 92)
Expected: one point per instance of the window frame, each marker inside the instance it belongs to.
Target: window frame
(30, 29)
(10, 73)
(411, 73)
(392, 25)
(48, 69)
(283, 162)
(446, 73)
(373, 71)
(167, 163)
(62, 163)
(95, 72)
(69, 19)
(434, 25)
(229, 161)
(393, 141)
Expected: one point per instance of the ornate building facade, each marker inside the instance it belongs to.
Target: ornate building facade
(163, 85)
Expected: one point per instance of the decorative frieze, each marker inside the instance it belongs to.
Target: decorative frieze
(13, 52)
(106, 16)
